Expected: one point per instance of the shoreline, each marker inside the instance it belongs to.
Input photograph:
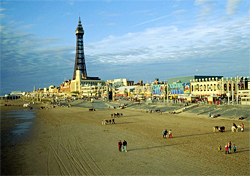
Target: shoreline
(69, 137)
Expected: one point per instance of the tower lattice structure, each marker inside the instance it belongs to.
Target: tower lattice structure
(79, 58)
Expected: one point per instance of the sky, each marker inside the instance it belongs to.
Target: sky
(133, 39)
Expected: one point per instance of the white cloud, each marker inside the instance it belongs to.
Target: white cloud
(153, 20)
(28, 53)
(163, 44)
(232, 6)
(2, 15)
(179, 11)
(200, 2)
(207, 6)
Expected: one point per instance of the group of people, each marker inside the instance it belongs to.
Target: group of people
(228, 148)
(122, 146)
(166, 133)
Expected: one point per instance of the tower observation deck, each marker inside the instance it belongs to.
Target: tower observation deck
(79, 58)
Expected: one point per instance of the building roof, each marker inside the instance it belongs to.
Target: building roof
(186, 79)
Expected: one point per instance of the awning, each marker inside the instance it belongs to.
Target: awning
(213, 95)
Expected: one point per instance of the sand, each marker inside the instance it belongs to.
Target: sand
(72, 141)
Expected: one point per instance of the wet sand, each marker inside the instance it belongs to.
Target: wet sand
(72, 141)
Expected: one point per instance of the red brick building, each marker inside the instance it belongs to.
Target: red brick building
(65, 86)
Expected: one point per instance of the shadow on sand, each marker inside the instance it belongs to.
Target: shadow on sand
(123, 123)
(243, 150)
(147, 148)
(200, 134)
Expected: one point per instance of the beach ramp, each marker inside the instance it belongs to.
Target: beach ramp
(186, 108)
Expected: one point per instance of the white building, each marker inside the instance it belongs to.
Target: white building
(119, 82)
(86, 87)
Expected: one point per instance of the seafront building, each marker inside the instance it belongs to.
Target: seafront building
(13, 95)
(120, 82)
(234, 89)
(65, 86)
(179, 87)
(211, 89)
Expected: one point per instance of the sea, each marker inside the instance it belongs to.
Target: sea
(19, 123)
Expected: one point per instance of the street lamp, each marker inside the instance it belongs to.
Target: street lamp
(237, 89)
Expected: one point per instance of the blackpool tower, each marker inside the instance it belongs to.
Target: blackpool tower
(80, 59)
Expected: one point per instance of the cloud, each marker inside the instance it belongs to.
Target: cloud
(179, 11)
(153, 20)
(160, 18)
(200, 2)
(232, 6)
(2, 15)
(26, 58)
(206, 5)
(169, 44)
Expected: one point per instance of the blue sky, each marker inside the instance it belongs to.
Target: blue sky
(123, 39)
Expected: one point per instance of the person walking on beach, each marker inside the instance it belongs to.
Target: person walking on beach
(226, 149)
(170, 134)
(219, 148)
(164, 133)
(234, 147)
(235, 126)
(242, 127)
(229, 147)
(124, 146)
(120, 145)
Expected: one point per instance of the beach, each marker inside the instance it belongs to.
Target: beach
(73, 141)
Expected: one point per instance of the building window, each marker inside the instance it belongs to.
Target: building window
(219, 86)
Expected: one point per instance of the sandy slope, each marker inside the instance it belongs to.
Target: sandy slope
(72, 141)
